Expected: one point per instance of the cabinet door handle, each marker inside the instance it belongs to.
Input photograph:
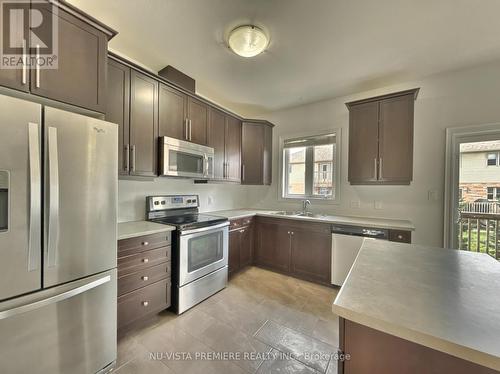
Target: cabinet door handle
(145, 260)
(24, 62)
(126, 158)
(190, 130)
(145, 278)
(243, 172)
(380, 169)
(186, 131)
(37, 69)
(145, 303)
(375, 169)
(132, 168)
(145, 243)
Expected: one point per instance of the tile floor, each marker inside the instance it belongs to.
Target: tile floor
(263, 322)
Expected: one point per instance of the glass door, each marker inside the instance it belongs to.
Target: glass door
(472, 204)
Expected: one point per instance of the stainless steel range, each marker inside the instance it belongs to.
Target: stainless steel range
(200, 248)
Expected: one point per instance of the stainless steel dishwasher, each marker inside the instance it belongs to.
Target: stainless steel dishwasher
(346, 243)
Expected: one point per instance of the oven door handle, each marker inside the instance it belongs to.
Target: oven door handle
(204, 229)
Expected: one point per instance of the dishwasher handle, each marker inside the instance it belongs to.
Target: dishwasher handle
(367, 232)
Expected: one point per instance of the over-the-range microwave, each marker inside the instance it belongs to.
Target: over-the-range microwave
(179, 158)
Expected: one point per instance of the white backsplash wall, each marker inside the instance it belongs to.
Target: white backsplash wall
(132, 195)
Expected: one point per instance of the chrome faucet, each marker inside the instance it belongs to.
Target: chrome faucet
(305, 204)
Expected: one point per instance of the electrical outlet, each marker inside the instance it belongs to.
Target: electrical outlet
(355, 204)
(378, 205)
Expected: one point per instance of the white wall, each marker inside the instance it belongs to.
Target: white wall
(132, 195)
(460, 98)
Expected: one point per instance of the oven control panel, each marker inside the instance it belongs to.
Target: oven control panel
(171, 202)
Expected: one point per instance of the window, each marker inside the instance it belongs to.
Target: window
(493, 159)
(309, 167)
(493, 193)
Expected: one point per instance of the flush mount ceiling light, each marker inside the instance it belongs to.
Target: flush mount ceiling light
(248, 41)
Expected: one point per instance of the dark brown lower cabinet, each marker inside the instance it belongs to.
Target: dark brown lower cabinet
(144, 279)
(297, 248)
(311, 253)
(375, 352)
(240, 245)
(273, 246)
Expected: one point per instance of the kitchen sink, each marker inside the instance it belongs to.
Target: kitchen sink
(299, 214)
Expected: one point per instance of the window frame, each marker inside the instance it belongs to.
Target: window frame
(497, 158)
(336, 170)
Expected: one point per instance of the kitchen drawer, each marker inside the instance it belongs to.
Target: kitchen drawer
(139, 261)
(240, 222)
(139, 244)
(400, 236)
(145, 277)
(143, 302)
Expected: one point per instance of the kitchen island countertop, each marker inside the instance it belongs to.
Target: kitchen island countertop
(444, 299)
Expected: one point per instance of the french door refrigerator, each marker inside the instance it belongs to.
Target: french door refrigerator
(58, 196)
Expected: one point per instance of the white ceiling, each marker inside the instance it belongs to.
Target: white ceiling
(319, 48)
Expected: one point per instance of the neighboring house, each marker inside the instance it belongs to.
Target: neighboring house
(480, 171)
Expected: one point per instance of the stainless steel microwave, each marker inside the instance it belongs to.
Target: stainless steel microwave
(179, 158)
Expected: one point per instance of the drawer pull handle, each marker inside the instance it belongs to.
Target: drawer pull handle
(145, 303)
(145, 260)
(400, 236)
(145, 243)
(144, 278)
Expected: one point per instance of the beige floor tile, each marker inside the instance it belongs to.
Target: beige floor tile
(144, 366)
(284, 365)
(129, 348)
(309, 351)
(327, 331)
(227, 322)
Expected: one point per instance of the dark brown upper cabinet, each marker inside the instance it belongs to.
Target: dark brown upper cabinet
(173, 113)
(233, 149)
(118, 110)
(256, 152)
(182, 117)
(133, 105)
(197, 121)
(224, 135)
(80, 76)
(143, 124)
(217, 140)
(381, 139)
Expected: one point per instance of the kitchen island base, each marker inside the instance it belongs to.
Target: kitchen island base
(375, 352)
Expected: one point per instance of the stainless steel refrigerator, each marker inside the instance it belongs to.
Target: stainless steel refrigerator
(58, 197)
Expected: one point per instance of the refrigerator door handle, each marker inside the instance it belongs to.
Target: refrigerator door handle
(53, 173)
(53, 299)
(35, 224)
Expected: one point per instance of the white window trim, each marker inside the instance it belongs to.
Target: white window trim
(337, 166)
(454, 137)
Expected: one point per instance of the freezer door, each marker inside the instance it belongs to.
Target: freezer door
(20, 197)
(66, 329)
(81, 157)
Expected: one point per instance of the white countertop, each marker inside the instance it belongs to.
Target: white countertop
(133, 229)
(383, 223)
(445, 299)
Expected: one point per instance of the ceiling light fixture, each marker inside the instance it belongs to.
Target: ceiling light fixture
(248, 41)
